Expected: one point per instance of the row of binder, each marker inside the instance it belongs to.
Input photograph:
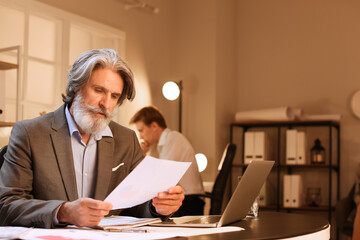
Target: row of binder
(293, 189)
(256, 146)
(295, 147)
(292, 195)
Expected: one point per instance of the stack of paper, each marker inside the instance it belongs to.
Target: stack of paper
(118, 223)
(149, 178)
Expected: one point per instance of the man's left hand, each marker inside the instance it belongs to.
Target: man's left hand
(169, 202)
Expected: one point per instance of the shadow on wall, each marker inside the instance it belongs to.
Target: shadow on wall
(324, 106)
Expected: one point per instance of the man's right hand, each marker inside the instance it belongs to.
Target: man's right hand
(145, 146)
(83, 212)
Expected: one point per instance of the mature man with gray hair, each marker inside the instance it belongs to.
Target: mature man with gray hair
(59, 167)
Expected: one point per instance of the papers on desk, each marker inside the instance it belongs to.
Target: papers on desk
(118, 223)
(13, 232)
(149, 178)
(150, 233)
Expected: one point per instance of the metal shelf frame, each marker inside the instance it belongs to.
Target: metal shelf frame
(331, 166)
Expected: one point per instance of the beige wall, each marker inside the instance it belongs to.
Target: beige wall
(240, 55)
(304, 54)
(178, 43)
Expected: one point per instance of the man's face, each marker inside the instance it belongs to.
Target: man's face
(147, 133)
(103, 90)
(94, 103)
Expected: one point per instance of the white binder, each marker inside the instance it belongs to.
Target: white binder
(291, 146)
(267, 195)
(292, 191)
(296, 191)
(259, 146)
(301, 148)
(249, 138)
(262, 196)
(287, 191)
(254, 146)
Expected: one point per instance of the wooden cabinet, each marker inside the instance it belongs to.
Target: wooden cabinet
(5, 126)
(327, 174)
(4, 65)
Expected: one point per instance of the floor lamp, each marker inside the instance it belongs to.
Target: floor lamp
(171, 91)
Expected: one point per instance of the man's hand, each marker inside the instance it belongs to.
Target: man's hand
(169, 202)
(145, 146)
(83, 212)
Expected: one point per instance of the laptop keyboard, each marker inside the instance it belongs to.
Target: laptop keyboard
(205, 220)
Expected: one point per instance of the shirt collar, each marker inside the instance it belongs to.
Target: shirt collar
(165, 132)
(73, 128)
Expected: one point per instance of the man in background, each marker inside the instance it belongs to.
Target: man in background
(59, 167)
(171, 145)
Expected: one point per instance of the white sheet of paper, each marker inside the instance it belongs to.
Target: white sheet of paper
(125, 221)
(150, 177)
(153, 233)
(13, 232)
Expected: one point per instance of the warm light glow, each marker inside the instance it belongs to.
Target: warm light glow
(201, 161)
(171, 90)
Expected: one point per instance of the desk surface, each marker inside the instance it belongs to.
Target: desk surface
(271, 225)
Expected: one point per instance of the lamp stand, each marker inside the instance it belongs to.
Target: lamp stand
(180, 103)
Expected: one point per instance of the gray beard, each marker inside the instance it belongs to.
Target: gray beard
(86, 120)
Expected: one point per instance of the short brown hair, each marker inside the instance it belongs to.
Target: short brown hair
(148, 115)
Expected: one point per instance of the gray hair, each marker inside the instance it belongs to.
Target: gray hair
(91, 60)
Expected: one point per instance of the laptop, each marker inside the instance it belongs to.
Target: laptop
(240, 202)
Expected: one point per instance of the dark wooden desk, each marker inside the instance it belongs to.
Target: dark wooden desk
(271, 225)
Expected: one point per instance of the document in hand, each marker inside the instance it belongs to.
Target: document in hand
(149, 178)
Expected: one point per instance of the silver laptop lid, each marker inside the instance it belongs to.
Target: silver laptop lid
(246, 191)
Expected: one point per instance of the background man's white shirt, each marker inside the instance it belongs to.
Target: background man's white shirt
(173, 145)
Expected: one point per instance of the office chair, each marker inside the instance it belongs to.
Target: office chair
(343, 209)
(2, 153)
(218, 190)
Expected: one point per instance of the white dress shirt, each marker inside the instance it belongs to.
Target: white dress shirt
(173, 145)
(84, 157)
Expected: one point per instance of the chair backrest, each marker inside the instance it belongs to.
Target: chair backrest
(343, 209)
(2, 153)
(218, 190)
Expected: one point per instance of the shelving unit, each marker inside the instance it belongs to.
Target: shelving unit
(7, 66)
(6, 124)
(329, 172)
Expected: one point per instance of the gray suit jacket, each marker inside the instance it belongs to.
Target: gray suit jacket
(38, 172)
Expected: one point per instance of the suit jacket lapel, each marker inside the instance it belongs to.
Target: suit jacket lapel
(105, 158)
(62, 147)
